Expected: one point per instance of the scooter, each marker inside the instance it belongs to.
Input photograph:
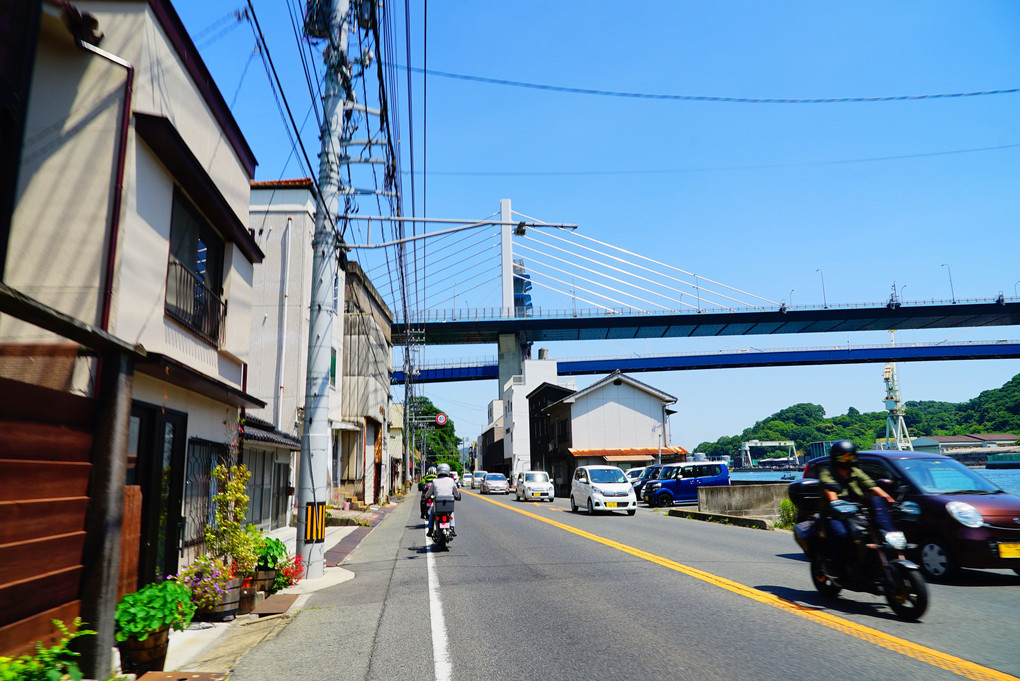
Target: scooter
(877, 566)
(442, 529)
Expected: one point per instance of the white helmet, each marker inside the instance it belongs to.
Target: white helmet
(444, 469)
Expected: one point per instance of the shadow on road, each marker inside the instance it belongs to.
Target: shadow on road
(813, 600)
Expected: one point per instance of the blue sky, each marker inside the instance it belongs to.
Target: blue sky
(760, 196)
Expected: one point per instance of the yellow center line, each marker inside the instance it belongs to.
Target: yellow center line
(902, 646)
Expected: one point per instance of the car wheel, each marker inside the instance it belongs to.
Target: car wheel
(591, 509)
(663, 500)
(935, 560)
(573, 506)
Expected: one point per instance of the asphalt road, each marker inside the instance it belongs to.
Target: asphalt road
(530, 590)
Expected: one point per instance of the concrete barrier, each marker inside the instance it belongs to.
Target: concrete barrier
(755, 501)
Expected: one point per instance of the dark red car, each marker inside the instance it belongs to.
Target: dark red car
(965, 521)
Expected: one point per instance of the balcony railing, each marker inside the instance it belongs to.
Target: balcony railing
(193, 304)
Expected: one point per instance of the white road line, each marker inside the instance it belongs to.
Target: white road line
(440, 644)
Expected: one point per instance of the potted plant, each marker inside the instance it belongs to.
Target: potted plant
(272, 553)
(143, 621)
(211, 583)
(55, 662)
(228, 537)
(289, 572)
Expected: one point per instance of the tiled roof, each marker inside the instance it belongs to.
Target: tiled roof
(305, 182)
(257, 430)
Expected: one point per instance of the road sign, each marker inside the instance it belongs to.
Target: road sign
(441, 419)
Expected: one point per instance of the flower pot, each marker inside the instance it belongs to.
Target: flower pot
(264, 580)
(247, 602)
(226, 608)
(138, 657)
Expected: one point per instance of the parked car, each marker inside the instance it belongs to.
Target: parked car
(534, 485)
(495, 483)
(466, 480)
(647, 475)
(966, 521)
(599, 488)
(680, 481)
(634, 473)
(476, 481)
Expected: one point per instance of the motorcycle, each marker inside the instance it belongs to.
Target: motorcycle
(424, 505)
(442, 530)
(877, 566)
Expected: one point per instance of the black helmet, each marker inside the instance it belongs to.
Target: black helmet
(843, 453)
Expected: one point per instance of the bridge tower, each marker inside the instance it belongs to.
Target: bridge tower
(512, 350)
(896, 435)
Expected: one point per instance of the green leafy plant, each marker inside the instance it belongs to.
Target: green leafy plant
(48, 664)
(228, 537)
(787, 514)
(271, 553)
(207, 579)
(153, 607)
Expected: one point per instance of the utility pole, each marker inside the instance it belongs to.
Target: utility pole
(314, 468)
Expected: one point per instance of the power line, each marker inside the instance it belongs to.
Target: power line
(700, 98)
(704, 169)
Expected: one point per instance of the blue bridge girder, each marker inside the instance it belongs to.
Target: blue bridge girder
(1003, 349)
(832, 319)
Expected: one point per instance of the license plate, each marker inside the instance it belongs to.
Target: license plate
(536, 494)
(612, 504)
(1009, 550)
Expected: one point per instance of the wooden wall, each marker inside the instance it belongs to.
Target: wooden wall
(45, 454)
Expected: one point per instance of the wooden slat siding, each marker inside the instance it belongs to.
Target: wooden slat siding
(21, 480)
(23, 520)
(130, 541)
(19, 638)
(39, 556)
(43, 442)
(20, 600)
(48, 365)
(24, 402)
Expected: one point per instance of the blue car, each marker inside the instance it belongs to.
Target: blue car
(680, 481)
(647, 475)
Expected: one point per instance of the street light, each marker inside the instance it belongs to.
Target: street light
(952, 292)
(825, 303)
(1015, 295)
(901, 292)
(791, 296)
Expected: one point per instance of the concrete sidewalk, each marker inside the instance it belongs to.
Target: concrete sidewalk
(216, 646)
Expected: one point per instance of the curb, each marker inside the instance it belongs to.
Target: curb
(740, 521)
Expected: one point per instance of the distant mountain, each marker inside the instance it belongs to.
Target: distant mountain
(993, 411)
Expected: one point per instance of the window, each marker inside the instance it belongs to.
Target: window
(194, 280)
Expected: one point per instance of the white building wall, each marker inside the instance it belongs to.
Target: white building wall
(283, 222)
(616, 416)
(516, 413)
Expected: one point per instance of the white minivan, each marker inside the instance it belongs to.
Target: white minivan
(602, 488)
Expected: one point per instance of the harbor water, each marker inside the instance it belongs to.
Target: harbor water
(1006, 478)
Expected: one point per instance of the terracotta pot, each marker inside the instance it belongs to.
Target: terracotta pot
(138, 657)
(227, 607)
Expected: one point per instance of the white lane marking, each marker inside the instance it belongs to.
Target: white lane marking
(440, 644)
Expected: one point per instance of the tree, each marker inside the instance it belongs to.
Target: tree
(440, 441)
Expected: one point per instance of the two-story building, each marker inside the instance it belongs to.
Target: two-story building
(129, 220)
(618, 421)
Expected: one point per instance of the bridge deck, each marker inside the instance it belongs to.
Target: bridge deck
(715, 323)
(744, 358)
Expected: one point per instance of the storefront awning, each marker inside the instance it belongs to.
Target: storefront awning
(613, 458)
(629, 454)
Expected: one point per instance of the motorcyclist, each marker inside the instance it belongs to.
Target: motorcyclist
(442, 486)
(843, 479)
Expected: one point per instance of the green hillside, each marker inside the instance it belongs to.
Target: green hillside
(993, 411)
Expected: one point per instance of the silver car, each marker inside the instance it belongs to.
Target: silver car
(476, 480)
(495, 483)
